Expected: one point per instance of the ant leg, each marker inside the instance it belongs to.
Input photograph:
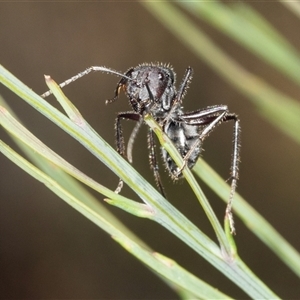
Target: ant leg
(234, 167)
(153, 162)
(203, 116)
(132, 139)
(151, 146)
(120, 144)
(181, 92)
(184, 84)
(234, 170)
(219, 116)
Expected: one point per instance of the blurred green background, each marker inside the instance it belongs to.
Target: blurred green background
(48, 250)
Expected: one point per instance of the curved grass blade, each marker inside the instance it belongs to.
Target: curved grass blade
(171, 270)
(165, 213)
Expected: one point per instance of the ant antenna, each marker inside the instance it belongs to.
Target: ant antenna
(86, 72)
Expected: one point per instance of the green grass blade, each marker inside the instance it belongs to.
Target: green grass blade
(293, 6)
(252, 219)
(282, 111)
(165, 213)
(70, 184)
(158, 263)
(253, 32)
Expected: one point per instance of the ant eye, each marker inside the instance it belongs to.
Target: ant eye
(161, 76)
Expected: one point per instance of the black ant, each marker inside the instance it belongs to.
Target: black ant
(151, 89)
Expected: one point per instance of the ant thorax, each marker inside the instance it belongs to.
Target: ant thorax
(183, 136)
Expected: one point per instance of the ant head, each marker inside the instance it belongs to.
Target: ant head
(147, 85)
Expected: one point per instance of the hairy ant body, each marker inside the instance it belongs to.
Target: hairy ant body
(151, 89)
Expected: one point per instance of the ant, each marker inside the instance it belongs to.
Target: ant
(151, 89)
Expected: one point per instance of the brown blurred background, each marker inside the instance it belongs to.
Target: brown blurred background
(47, 249)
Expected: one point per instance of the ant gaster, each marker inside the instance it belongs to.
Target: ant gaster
(151, 89)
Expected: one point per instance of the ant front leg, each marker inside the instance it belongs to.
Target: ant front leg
(120, 144)
(184, 84)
